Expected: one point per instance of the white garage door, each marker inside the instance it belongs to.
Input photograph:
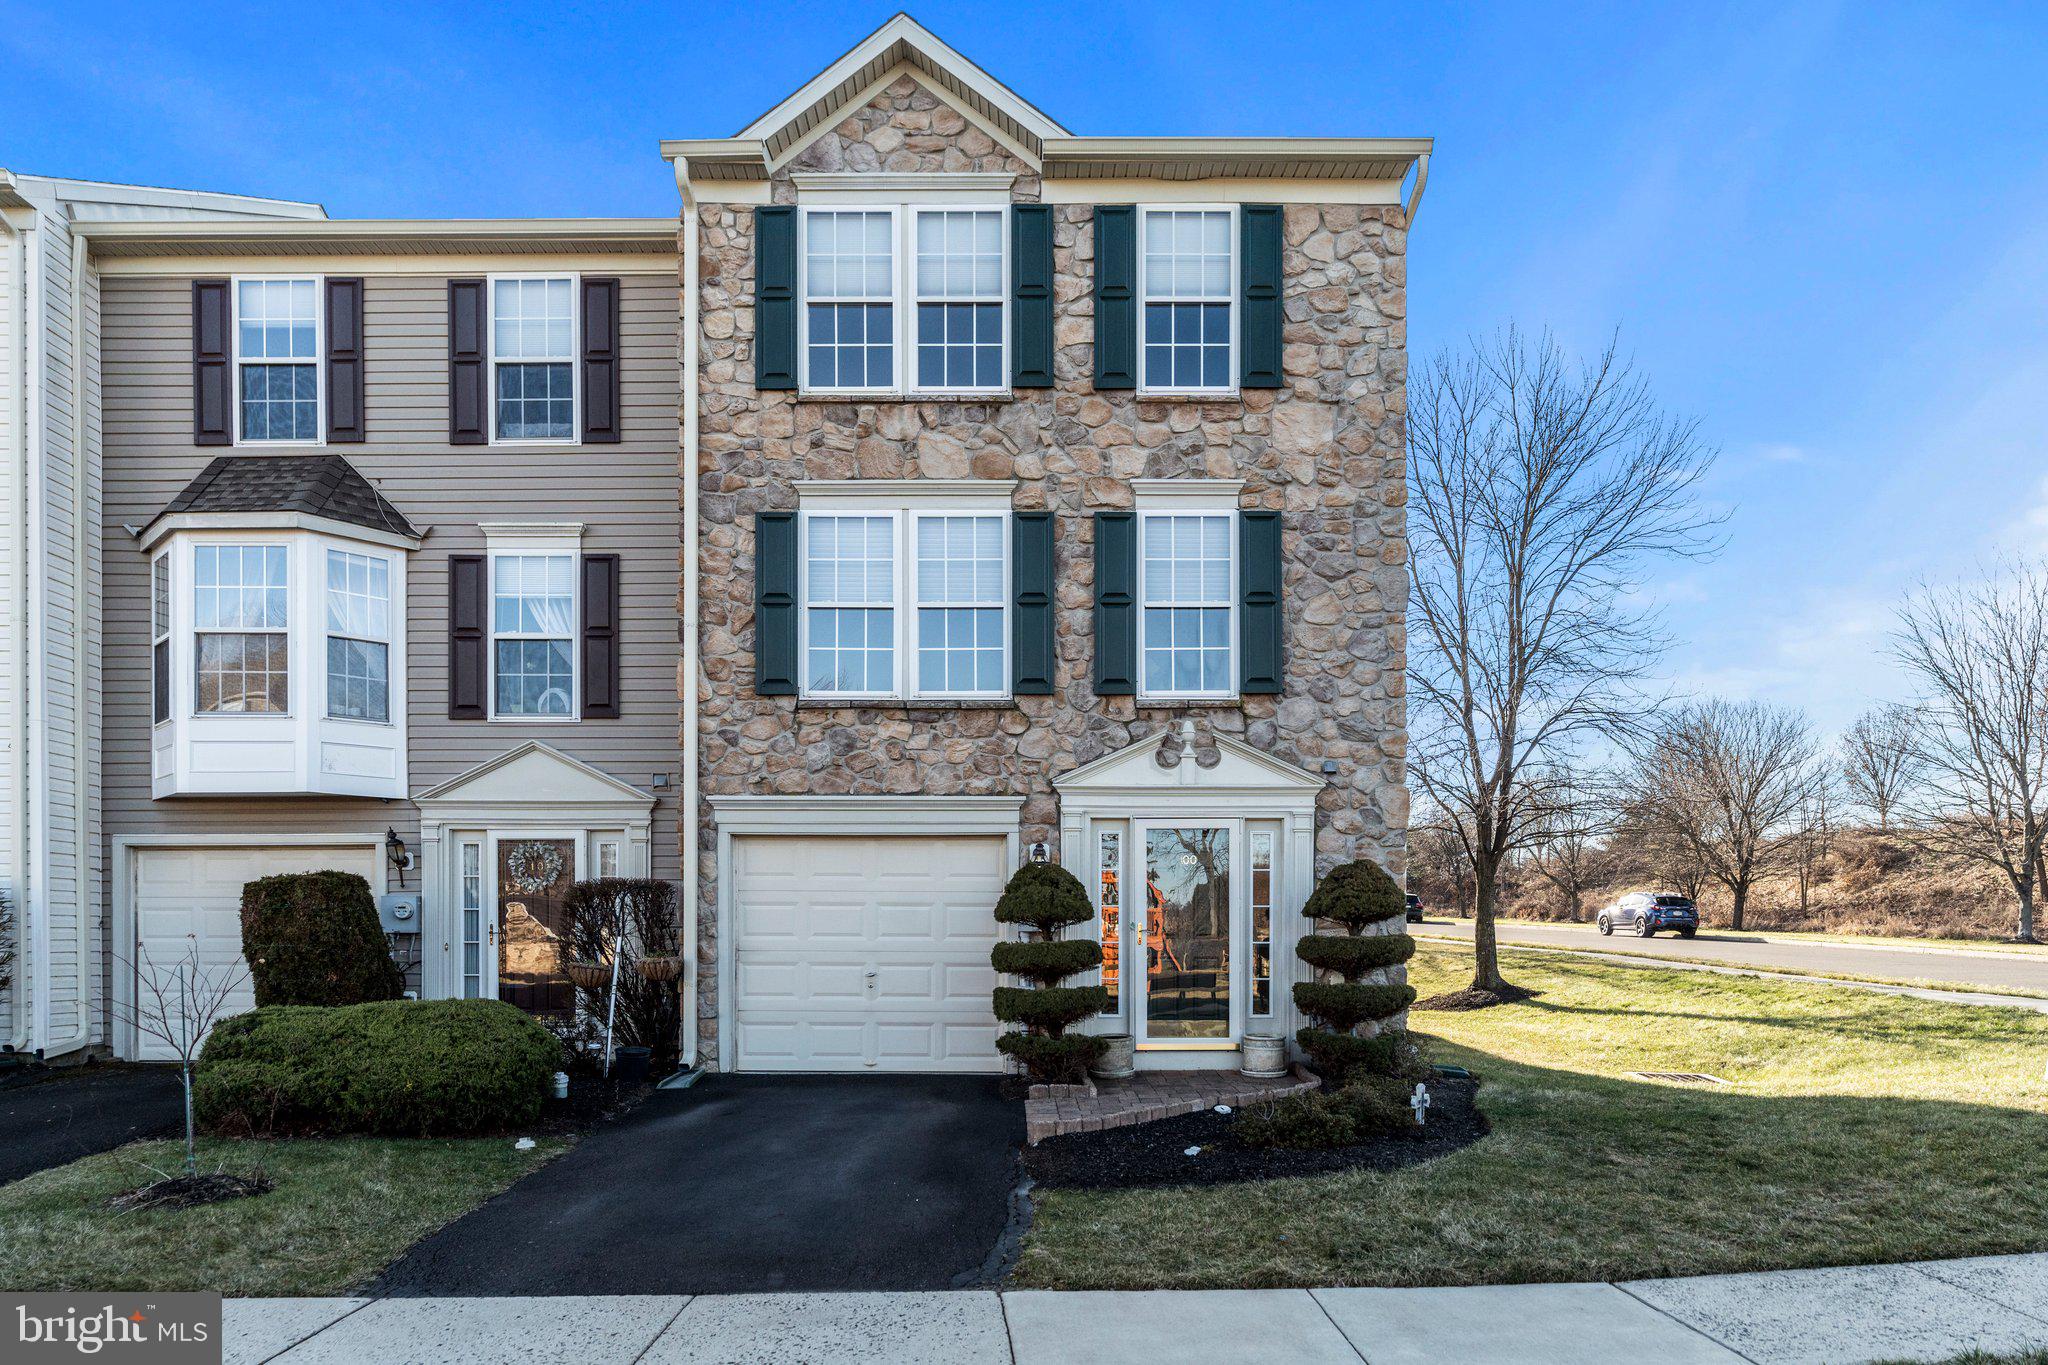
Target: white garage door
(187, 895)
(860, 954)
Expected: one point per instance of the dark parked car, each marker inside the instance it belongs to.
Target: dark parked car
(1414, 909)
(1644, 914)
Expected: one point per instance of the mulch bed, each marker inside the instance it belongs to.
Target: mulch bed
(593, 1100)
(1472, 999)
(190, 1191)
(1154, 1154)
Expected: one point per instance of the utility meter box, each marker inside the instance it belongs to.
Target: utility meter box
(400, 912)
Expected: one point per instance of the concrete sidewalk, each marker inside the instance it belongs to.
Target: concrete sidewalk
(1929, 1311)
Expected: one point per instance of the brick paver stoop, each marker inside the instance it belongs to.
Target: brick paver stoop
(1148, 1096)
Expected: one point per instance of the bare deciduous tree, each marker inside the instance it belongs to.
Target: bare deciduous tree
(1729, 780)
(1812, 837)
(1877, 759)
(178, 1004)
(1564, 848)
(1436, 858)
(1540, 495)
(1980, 652)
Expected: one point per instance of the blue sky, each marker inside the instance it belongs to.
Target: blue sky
(1820, 229)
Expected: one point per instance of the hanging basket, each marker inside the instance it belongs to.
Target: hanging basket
(591, 976)
(663, 968)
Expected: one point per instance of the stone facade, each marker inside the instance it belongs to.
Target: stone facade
(1328, 450)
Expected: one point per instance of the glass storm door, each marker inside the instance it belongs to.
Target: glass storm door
(1188, 935)
(533, 878)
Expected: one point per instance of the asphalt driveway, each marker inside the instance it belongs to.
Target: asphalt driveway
(745, 1184)
(78, 1112)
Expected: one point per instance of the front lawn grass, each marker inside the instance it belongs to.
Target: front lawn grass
(343, 1209)
(1858, 1128)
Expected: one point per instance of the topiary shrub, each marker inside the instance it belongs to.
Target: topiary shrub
(313, 938)
(1046, 898)
(1358, 896)
(400, 1068)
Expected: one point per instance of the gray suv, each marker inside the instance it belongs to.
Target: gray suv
(1644, 913)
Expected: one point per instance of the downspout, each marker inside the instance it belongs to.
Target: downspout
(1415, 195)
(83, 758)
(687, 223)
(15, 539)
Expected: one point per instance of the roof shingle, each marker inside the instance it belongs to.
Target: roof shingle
(313, 485)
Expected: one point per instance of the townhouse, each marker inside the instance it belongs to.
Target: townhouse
(941, 490)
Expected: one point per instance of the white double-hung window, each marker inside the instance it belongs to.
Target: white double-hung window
(907, 601)
(358, 637)
(533, 358)
(872, 326)
(277, 361)
(241, 624)
(1187, 590)
(533, 636)
(1187, 278)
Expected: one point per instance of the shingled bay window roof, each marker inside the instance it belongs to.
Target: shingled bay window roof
(326, 487)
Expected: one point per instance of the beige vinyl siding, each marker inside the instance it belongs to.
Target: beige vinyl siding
(13, 706)
(625, 495)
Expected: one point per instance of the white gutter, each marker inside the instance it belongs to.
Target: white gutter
(687, 803)
(82, 755)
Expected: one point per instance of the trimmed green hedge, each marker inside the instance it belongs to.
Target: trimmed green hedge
(313, 938)
(1046, 962)
(1352, 958)
(1355, 895)
(400, 1068)
(1336, 1056)
(1045, 896)
(1049, 1009)
(1343, 1006)
(1053, 1059)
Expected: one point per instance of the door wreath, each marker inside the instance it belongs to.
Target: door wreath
(533, 868)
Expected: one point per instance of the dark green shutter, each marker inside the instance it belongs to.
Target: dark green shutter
(1116, 603)
(1030, 296)
(1259, 273)
(1258, 614)
(1031, 610)
(775, 606)
(1116, 297)
(774, 297)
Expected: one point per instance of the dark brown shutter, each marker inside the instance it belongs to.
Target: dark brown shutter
(469, 386)
(468, 638)
(213, 410)
(345, 361)
(600, 637)
(600, 365)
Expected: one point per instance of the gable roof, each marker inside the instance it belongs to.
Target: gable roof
(325, 486)
(536, 774)
(902, 42)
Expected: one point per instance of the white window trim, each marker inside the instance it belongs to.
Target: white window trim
(293, 681)
(1181, 506)
(392, 608)
(903, 514)
(527, 539)
(575, 361)
(163, 669)
(1232, 387)
(903, 213)
(318, 362)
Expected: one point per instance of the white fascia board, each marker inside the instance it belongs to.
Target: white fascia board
(164, 527)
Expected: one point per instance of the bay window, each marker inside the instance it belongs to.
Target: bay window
(872, 629)
(277, 360)
(863, 310)
(1187, 588)
(160, 639)
(1188, 286)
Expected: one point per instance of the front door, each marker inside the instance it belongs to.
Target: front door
(534, 876)
(1186, 991)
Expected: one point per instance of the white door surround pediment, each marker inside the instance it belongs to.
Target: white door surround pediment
(535, 774)
(1176, 761)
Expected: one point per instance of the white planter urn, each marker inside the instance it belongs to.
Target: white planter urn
(1262, 1055)
(1119, 1060)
